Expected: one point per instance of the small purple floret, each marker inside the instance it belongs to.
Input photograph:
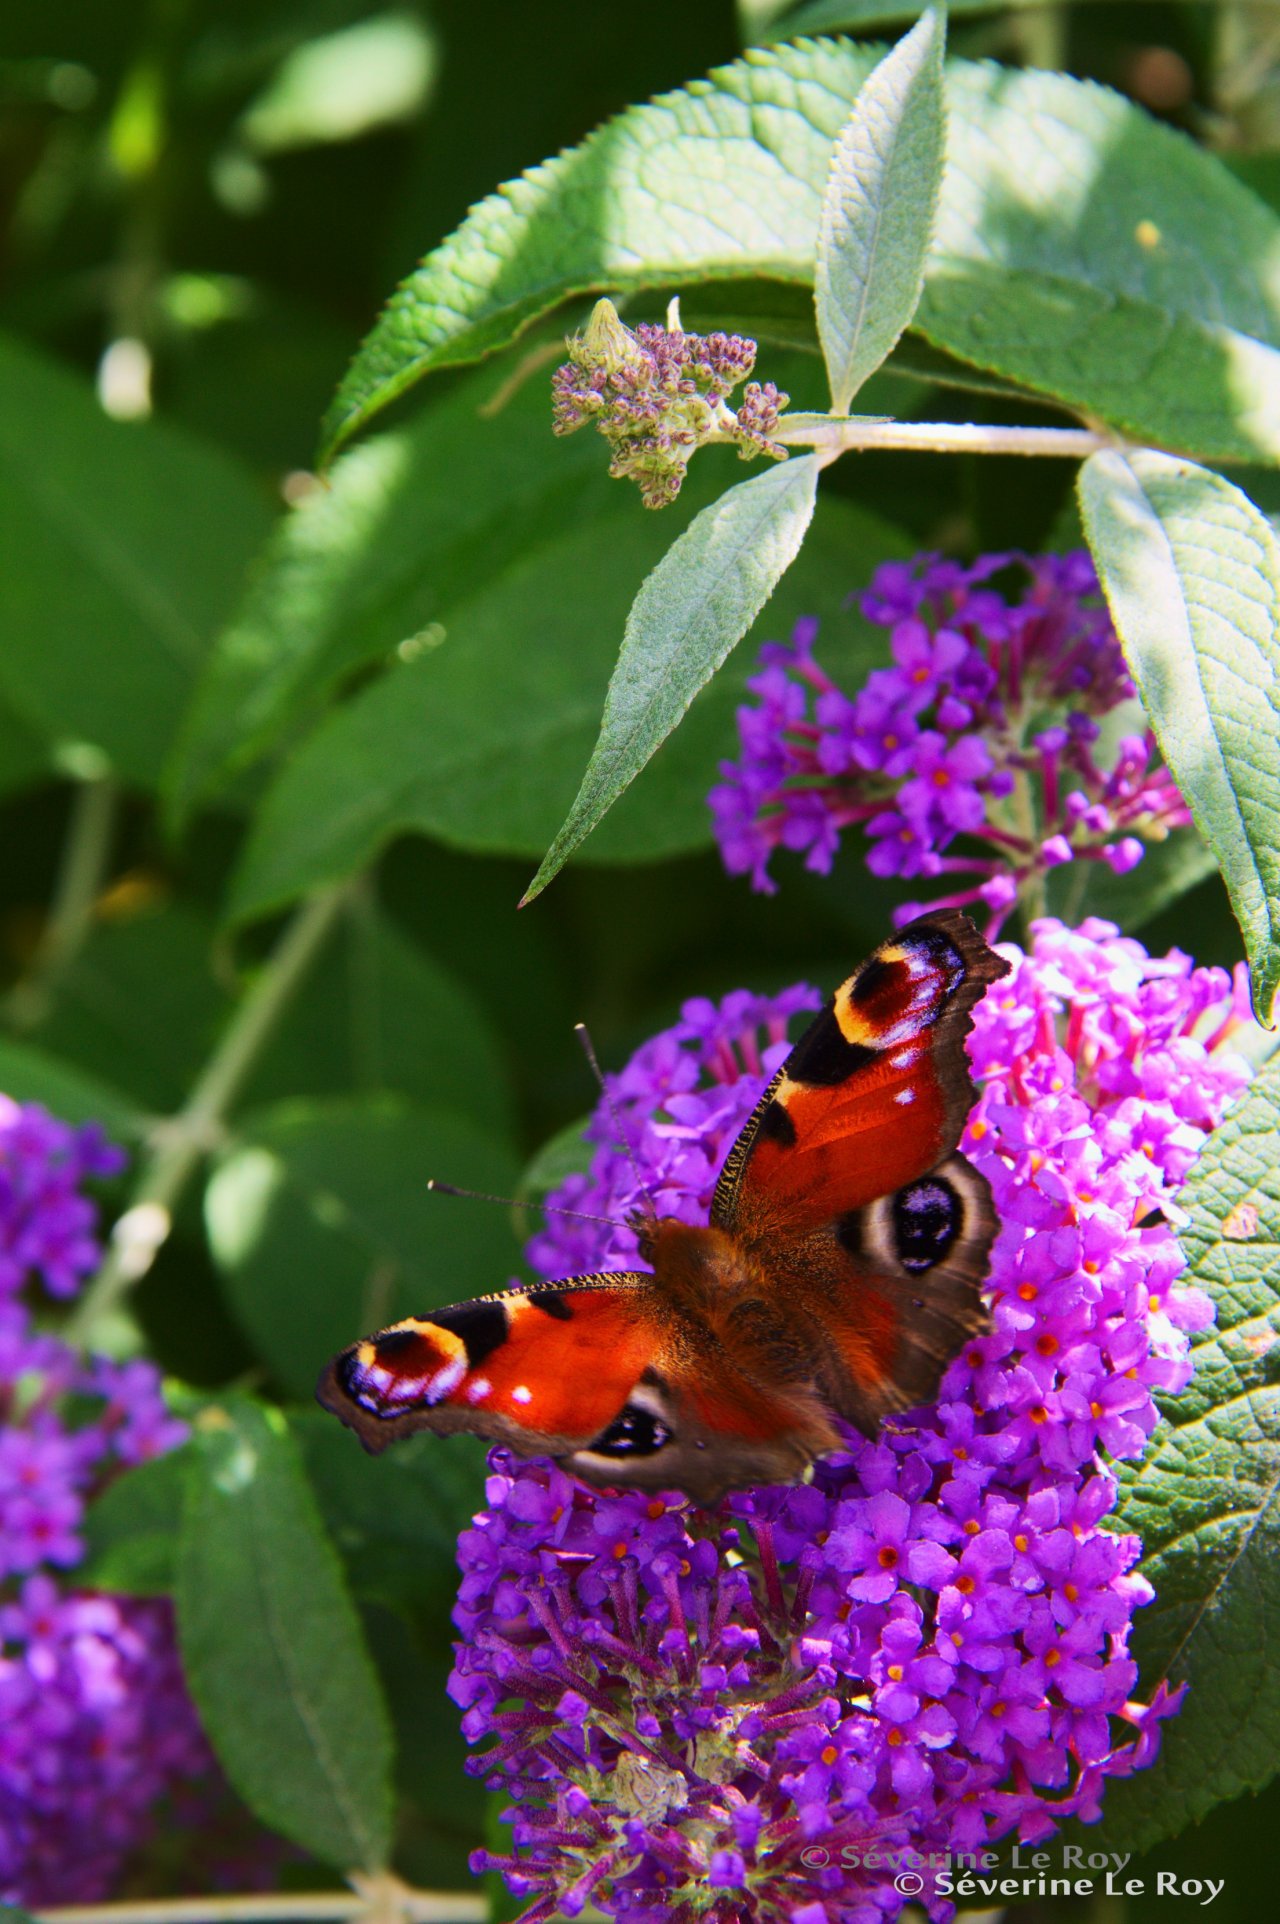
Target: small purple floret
(951, 740)
(95, 1724)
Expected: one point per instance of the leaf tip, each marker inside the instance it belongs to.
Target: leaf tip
(1265, 983)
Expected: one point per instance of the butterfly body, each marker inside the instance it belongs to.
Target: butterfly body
(839, 1272)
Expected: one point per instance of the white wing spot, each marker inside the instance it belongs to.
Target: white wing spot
(445, 1380)
(521, 1394)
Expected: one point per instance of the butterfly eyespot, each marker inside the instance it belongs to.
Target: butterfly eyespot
(927, 1218)
(636, 1432)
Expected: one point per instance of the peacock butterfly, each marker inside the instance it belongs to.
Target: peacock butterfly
(839, 1272)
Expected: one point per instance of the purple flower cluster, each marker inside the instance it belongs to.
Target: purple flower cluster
(94, 1723)
(726, 1715)
(985, 727)
(658, 394)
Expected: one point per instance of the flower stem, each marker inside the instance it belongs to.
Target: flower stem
(940, 437)
(414, 1907)
(180, 1143)
(85, 855)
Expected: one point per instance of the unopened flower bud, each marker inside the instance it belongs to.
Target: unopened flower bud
(657, 394)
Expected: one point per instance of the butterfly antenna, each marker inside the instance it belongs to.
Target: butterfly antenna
(589, 1050)
(530, 1202)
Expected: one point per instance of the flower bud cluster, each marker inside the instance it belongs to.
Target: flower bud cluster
(658, 394)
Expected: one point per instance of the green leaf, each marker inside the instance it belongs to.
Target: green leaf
(124, 546)
(878, 209)
(323, 1228)
(1206, 1498)
(567, 1153)
(395, 1518)
(481, 743)
(272, 1647)
(694, 608)
(339, 86)
(855, 16)
(376, 568)
(380, 1013)
(140, 1001)
(1081, 249)
(30, 1074)
(1192, 575)
(131, 1531)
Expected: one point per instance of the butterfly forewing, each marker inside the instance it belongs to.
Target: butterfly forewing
(555, 1365)
(875, 1093)
(847, 1181)
(620, 1384)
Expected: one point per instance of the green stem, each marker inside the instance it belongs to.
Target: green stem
(86, 853)
(1042, 38)
(180, 1143)
(1032, 898)
(412, 1907)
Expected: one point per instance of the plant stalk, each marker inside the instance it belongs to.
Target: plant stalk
(86, 853)
(413, 1907)
(943, 437)
(180, 1143)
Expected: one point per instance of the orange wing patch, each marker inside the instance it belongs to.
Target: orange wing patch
(546, 1366)
(873, 1095)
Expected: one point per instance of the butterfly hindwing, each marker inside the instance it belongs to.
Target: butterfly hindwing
(896, 1289)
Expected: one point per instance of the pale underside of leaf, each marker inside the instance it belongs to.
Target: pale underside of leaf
(1191, 572)
(878, 210)
(690, 612)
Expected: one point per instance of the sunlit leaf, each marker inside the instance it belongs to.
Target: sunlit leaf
(1082, 249)
(693, 609)
(878, 209)
(1191, 571)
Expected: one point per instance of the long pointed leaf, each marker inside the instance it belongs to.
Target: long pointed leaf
(694, 608)
(879, 208)
(1192, 574)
